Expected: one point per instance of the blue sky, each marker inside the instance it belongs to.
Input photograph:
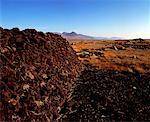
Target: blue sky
(107, 18)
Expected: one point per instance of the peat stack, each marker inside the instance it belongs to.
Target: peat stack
(37, 72)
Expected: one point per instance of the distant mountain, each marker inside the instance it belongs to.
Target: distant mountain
(116, 38)
(75, 36)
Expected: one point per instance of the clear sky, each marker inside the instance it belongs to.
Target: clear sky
(104, 18)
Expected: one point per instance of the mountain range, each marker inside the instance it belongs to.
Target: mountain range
(76, 36)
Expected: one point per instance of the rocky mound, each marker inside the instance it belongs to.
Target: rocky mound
(37, 72)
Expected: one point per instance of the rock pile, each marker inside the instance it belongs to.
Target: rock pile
(110, 95)
(37, 71)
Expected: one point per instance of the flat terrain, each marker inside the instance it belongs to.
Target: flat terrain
(121, 55)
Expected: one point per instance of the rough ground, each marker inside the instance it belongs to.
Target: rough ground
(106, 95)
(42, 80)
(117, 55)
(115, 84)
(37, 71)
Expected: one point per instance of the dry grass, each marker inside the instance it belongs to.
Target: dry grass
(129, 59)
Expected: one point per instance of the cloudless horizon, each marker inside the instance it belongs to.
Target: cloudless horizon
(101, 18)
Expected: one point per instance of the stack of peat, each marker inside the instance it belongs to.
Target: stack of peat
(37, 71)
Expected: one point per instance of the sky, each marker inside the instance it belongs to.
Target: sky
(101, 18)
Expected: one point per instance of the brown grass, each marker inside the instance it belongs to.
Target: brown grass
(129, 59)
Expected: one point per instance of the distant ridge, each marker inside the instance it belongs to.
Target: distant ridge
(76, 36)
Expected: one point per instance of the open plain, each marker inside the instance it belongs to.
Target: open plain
(121, 55)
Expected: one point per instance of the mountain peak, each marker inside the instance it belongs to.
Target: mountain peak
(70, 34)
(75, 36)
(73, 32)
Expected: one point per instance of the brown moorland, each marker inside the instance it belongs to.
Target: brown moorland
(118, 55)
(42, 78)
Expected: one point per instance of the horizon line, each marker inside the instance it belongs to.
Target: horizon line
(92, 35)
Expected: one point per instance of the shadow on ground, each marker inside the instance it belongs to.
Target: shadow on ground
(110, 95)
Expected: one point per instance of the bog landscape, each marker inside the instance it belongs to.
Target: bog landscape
(44, 77)
(49, 75)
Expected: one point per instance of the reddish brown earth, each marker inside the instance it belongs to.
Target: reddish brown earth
(42, 78)
(106, 95)
(115, 84)
(36, 75)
